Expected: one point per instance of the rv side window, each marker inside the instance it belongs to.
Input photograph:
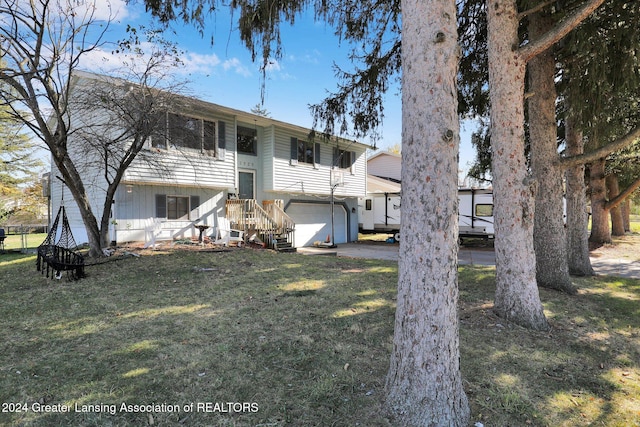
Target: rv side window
(484, 210)
(367, 204)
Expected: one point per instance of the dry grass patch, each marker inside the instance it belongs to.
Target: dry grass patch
(302, 340)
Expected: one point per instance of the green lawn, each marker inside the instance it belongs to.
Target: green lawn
(254, 338)
(16, 242)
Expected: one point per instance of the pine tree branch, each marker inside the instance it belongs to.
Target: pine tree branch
(535, 9)
(622, 196)
(603, 151)
(561, 29)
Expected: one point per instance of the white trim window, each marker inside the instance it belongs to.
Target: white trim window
(344, 159)
(247, 141)
(305, 151)
(181, 132)
(177, 207)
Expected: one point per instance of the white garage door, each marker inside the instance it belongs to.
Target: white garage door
(313, 222)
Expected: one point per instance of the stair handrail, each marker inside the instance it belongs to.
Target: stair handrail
(276, 212)
(267, 222)
(249, 216)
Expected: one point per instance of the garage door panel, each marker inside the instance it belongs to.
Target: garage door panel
(313, 223)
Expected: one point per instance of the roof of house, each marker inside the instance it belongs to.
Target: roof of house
(243, 116)
(384, 153)
(381, 185)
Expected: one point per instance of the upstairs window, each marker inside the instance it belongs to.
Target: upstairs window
(247, 141)
(344, 159)
(209, 137)
(304, 151)
(182, 132)
(159, 133)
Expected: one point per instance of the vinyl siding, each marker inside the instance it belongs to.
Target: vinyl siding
(386, 166)
(186, 167)
(304, 178)
(136, 210)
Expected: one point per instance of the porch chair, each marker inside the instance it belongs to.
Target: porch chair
(225, 234)
(152, 228)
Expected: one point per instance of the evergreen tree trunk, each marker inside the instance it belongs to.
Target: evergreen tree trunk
(600, 231)
(424, 384)
(549, 237)
(517, 298)
(577, 216)
(613, 189)
(626, 215)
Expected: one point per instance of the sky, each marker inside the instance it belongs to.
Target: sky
(223, 72)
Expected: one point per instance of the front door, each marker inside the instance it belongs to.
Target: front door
(246, 184)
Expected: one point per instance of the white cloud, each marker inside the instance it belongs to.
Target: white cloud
(273, 66)
(312, 57)
(236, 65)
(113, 10)
(199, 63)
(104, 61)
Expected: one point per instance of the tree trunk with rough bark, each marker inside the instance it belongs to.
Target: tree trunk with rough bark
(613, 189)
(517, 298)
(577, 215)
(549, 236)
(600, 231)
(626, 215)
(424, 384)
(73, 182)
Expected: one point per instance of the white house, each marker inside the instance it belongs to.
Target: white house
(256, 171)
(385, 164)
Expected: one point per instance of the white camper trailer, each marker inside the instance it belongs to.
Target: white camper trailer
(475, 213)
(380, 212)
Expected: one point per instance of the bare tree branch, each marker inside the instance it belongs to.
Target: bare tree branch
(623, 195)
(535, 47)
(603, 151)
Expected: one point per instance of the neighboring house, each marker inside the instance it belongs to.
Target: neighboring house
(385, 165)
(258, 172)
(379, 210)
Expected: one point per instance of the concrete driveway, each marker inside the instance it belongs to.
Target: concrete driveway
(466, 255)
(388, 251)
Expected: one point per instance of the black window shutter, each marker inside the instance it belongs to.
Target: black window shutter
(294, 150)
(222, 136)
(195, 202)
(316, 153)
(161, 205)
(352, 159)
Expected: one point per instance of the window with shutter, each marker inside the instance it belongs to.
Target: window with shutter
(294, 151)
(209, 138)
(304, 151)
(222, 137)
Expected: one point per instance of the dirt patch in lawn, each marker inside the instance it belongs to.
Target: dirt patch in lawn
(623, 247)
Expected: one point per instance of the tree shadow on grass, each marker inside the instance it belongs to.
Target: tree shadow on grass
(571, 375)
(199, 328)
(307, 339)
